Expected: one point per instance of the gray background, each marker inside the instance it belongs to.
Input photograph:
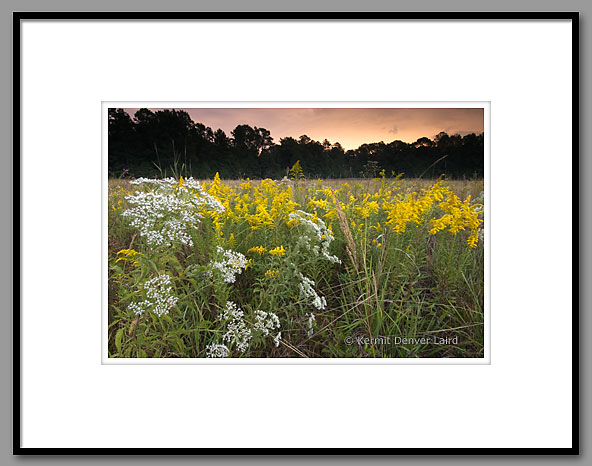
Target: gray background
(6, 199)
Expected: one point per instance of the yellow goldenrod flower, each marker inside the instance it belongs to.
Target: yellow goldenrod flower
(128, 254)
(279, 251)
(473, 239)
(258, 249)
(376, 227)
(261, 218)
(271, 273)
(282, 204)
(322, 203)
(181, 183)
(216, 186)
(293, 222)
(331, 214)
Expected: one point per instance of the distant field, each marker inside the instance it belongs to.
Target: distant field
(343, 268)
(462, 188)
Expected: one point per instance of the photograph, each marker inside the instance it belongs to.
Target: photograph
(269, 232)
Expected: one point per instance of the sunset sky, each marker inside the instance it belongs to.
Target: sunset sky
(351, 127)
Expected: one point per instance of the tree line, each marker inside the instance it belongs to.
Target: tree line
(169, 143)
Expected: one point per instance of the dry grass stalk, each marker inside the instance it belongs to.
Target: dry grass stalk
(351, 246)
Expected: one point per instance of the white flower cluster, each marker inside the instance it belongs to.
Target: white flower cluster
(161, 218)
(307, 291)
(159, 294)
(231, 311)
(315, 231)
(188, 185)
(237, 330)
(309, 323)
(266, 321)
(231, 264)
(164, 215)
(277, 338)
(217, 351)
(165, 183)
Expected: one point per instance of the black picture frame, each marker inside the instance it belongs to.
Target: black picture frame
(18, 17)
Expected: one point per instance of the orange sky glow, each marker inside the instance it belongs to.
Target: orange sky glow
(351, 127)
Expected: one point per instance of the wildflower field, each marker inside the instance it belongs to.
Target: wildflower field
(383, 267)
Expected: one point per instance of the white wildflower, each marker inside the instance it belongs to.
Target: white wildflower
(307, 292)
(162, 218)
(309, 323)
(188, 185)
(159, 294)
(231, 264)
(277, 339)
(239, 334)
(156, 184)
(237, 330)
(140, 308)
(217, 351)
(231, 311)
(315, 231)
(166, 214)
(266, 321)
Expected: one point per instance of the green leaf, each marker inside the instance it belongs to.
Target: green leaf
(167, 319)
(117, 268)
(118, 337)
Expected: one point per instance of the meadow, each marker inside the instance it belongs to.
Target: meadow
(382, 267)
